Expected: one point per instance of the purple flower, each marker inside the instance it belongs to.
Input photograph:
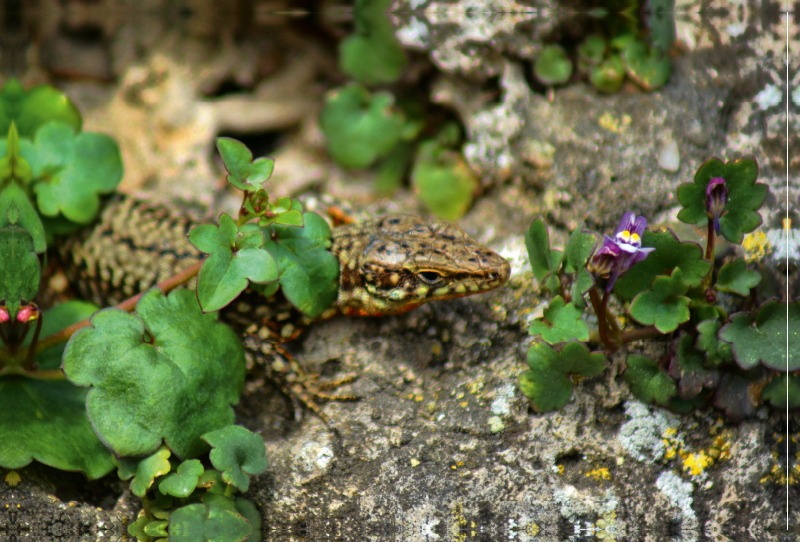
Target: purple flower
(617, 255)
(716, 199)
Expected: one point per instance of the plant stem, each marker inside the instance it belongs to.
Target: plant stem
(709, 253)
(128, 305)
(599, 309)
(29, 359)
(50, 374)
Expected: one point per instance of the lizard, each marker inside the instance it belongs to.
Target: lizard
(387, 265)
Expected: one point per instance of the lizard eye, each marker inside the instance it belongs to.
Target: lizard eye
(430, 277)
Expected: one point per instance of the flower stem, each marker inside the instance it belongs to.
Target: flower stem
(599, 307)
(128, 305)
(709, 253)
(29, 358)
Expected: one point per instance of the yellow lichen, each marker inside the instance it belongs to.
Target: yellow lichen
(697, 463)
(599, 474)
(755, 246)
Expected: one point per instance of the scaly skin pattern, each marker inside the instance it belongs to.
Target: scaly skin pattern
(387, 265)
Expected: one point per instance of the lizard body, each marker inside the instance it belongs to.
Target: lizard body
(387, 265)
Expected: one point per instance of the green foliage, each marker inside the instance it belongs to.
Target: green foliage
(31, 109)
(309, 274)
(649, 382)
(609, 75)
(373, 54)
(552, 66)
(45, 420)
(144, 471)
(243, 172)
(647, 66)
(783, 391)
(441, 178)
(176, 374)
(549, 381)
(745, 197)
(203, 522)
(361, 127)
(19, 269)
(715, 359)
(669, 254)
(561, 323)
(183, 482)
(716, 351)
(688, 369)
(665, 305)
(70, 171)
(765, 340)
(235, 258)
(16, 209)
(734, 278)
(237, 452)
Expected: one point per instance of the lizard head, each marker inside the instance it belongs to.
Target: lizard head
(393, 264)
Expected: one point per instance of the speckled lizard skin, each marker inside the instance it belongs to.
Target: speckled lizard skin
(388, 265)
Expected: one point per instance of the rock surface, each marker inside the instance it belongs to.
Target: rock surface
(442, 445)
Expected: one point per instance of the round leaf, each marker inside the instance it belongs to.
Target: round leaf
(237, 452)
(182, 482)
(45, 420)
(664, 305)
(34, 108)
(71, 171)
(360, 127)
(649, 382)
(443, 181)
(552, 66)
(168, 372)
(766, 339)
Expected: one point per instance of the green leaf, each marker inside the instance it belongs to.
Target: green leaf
(32, 109)
(783, 392)
(168, 372)
(649, 382)
(591, 51)
(14, 203)
(225, 273)
(309, 274)
(734, 278)
(156, 528)
(669, 254)
(717, 352)
(20, 269)
(237, 452)
(687, 368)
(71, 171)
(360, 127)
(562, 323)
(552, 66)
(543, 259)
(243, 172)
(250, 512)
(205, 523)
(609, 75)
(144, 471)
(579, 248)
(665, 305)
(443, 181)
(373, 54)
(182, 482)
(45, 420)
(583, 282)
(649, 69)
(136, 529)
(392, 169)
(766, 340)
(745, 197)
(13, 165)
(548, 383)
